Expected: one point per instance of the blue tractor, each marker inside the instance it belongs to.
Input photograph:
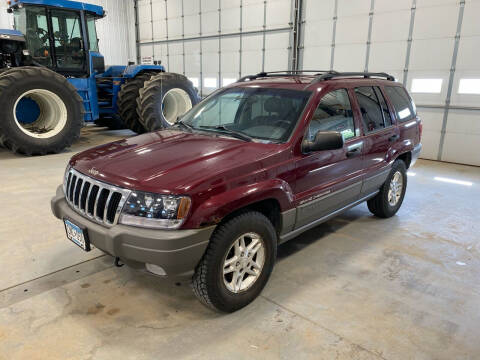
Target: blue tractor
(53, 80)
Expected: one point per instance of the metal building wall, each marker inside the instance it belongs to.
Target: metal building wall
(214, 42)
(116, 32)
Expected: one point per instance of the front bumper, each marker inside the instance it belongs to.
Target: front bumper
(415, 153)
(176, 251)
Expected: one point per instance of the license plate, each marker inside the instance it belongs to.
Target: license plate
(77, 235)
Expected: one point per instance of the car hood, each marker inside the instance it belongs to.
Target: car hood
(172, 161)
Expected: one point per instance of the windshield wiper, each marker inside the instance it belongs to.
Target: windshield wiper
(185, 126)
(227, 131)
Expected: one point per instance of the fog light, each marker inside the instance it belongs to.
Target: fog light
(155, 269)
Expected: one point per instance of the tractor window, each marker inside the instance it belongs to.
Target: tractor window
(32, 22)
(69, 52)
(92, 34)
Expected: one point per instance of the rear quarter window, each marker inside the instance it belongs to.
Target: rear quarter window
(402, 103)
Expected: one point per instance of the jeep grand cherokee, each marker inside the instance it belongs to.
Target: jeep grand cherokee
(253, 165)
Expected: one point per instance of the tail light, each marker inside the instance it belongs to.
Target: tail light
(420, 128)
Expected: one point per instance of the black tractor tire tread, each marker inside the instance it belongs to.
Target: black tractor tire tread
(379, 205)
(203, 285)
(14, 75)
(147, 100)
(127, 101)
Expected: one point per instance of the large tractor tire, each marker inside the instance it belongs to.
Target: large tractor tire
(40, 111)
(163, 99)
(127, 101)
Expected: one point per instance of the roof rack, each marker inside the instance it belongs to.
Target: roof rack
(367, 75)
(281, 73)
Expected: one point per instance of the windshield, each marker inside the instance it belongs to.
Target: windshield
(258, 113)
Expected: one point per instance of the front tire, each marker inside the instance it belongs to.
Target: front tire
(41, 111)
(237, 263)
(387, 202)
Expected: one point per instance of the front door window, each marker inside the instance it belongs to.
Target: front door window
(69, 50)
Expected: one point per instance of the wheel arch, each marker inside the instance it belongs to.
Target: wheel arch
(406, 157)
(270, 198)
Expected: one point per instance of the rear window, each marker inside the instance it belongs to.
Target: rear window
(403, 105)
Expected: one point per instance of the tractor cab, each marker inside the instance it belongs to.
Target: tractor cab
(60, 35)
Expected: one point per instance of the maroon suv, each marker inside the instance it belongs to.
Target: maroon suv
(253, 165)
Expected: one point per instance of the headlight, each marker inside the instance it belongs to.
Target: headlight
(154, 210)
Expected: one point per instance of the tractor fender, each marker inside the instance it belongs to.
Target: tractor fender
(133, 70)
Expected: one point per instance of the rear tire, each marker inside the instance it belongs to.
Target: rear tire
(214, 282)
(113, 122)
(165, 97)
(60, 111)
(387, 202)
(127, 101)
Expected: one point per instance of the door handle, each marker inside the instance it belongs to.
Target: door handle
(353, 152)
(394, 138)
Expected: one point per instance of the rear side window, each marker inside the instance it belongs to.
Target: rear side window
(333, 113)
(404, 107)
(370, 107)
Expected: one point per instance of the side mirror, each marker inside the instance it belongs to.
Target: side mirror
(324, 140)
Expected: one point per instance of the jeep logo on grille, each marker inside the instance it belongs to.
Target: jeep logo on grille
(93, 171)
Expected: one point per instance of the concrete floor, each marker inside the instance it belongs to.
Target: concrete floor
(355, 287)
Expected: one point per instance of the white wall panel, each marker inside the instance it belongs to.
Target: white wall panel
(253, 16)
(318, 33)
(158, 10)
(192, 57)
(317, 58)
(352, 30)
(357, 7)
(428, 3)
(192, 25)
(230, 59)
(435, 22)
(387, 56)
(159, 30)
(391, 26)
(190, 7)
(209, 23)
(278, 13)
(319, 10)
(462, 137)
(350, 57)
(392, 6)
(230, 20)
(431, 54)
(251, 54)
(471, 25)
(175, 28)
(432, 125)
(174, 8)
(276, 51)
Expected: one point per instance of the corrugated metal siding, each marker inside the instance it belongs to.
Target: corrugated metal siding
(116, 32)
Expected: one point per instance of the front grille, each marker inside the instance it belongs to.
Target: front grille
(98, 201)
